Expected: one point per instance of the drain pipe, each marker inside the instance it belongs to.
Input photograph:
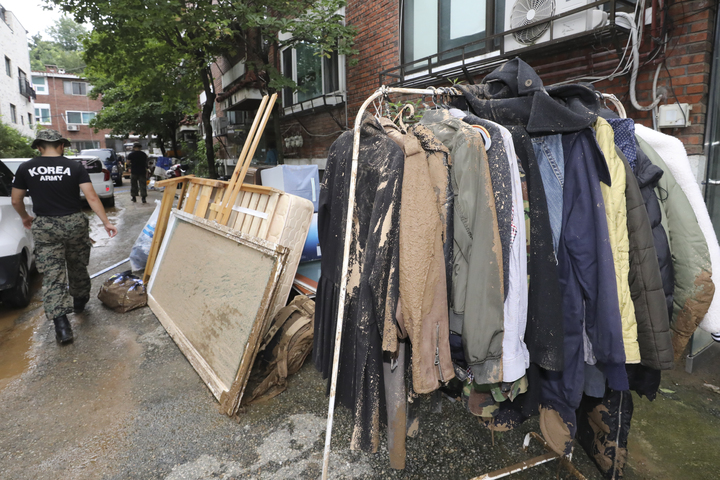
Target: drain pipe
(636, 64)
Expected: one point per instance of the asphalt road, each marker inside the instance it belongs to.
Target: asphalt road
(122, 402)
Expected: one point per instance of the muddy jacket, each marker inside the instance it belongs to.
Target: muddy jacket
(423, 311)
(646, 288)
(372, 274)
(616, 212)
(477, 288)
(694, 288)
(648, 176)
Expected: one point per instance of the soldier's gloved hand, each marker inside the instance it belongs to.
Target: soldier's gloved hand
(27, 222)
(111, 229)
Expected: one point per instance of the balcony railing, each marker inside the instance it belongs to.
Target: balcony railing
(484, 55)
(26, 90)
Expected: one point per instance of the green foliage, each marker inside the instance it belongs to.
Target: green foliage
(64, 50)
(13, 144)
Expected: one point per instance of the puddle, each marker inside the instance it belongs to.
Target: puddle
(16, 339)
(97, 231)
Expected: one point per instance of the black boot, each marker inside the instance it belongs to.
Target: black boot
(63, 331)
(132, 199)
(143, 200)
(80, 302)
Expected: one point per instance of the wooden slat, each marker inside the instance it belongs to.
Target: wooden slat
(254, 199)
(236, 188)
(248, 187)
(262, 205)
(183, 192)
(192, 198)
(165, 207)
(244, 201)
(204, 201)
(169, 181)
(270, 210)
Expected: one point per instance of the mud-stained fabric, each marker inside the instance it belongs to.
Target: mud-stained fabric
(423, 311)
(372, 283)
(501, 180)
(477, 288)
(603, 429)
(616, 212)
(62, 254)
(694, 288)
(484, 400)
(646, 287)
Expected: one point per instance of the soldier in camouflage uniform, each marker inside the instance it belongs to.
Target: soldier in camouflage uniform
(60, 230)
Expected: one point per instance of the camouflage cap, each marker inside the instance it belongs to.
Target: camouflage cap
(49, 135)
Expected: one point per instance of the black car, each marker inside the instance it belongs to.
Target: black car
(111, 160)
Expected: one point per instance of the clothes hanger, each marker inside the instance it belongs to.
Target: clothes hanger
(618, 105)
(398, 120)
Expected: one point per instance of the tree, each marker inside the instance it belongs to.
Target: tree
(200, 32)
(13, 144)
(145, 92)
(64, 51)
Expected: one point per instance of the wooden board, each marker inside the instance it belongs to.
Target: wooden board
(211, 288)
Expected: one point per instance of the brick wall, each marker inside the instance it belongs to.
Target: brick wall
(689, 55)
(60, 104)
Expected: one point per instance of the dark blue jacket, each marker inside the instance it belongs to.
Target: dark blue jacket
(585, 261)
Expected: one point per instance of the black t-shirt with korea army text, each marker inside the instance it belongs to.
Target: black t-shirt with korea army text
(53, 184)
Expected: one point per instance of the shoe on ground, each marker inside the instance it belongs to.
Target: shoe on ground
(132, 199)
(79, 303)
(143, 200)
(63, 331)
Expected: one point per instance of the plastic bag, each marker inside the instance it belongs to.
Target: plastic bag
(141, 248)
(123, 292)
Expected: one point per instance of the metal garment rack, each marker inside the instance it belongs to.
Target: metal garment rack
(382, 92)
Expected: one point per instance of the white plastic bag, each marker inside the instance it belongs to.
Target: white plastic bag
(141, 248)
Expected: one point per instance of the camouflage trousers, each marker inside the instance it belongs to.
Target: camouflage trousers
(62, 253)
(138, 182)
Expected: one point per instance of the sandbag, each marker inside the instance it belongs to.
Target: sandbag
(285, 346)
(123, 292)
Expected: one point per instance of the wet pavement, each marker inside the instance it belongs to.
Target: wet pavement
(122, 402)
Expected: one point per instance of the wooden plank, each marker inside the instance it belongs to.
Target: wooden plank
(165, 207)
(210, 182)
(183, 192)
(262, 205)
(169, 182)
(270, 210)
(247, 187)
(229, 195)
(251, 152)
(192, 198)
(254, 199)
(204, 201)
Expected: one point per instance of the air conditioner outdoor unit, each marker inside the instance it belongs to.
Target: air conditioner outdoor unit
(73, 128)
(524, 12)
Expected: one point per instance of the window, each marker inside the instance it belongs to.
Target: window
(13, 113)
(23, 84)
(8, 67)
(30, 119)
(79, 118)
(75, 88)
(314, 74)
(85, 145)
(42, 113)
(40, 85)
(434, 26)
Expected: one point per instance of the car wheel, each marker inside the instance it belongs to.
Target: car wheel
(109, 202)
(19, 296)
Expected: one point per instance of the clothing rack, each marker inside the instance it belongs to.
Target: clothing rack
(383, 91)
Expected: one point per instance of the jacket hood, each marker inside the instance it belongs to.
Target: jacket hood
(513, 94)
(646, 172)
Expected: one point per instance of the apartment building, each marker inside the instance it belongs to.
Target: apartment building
(16, 93)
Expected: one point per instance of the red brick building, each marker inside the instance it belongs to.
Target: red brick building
(62, 104)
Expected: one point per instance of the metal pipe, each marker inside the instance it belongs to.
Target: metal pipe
(109, 268)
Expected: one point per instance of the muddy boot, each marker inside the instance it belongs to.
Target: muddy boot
(132, 199)
(63, 332)
(143, 200)
(79, 303)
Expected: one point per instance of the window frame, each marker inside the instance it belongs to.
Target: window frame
(81, 112)
(8, 66)
(39, 118)
(37, 86)
(333, 100)
(492, 24)
(13, 114)
(72, 89)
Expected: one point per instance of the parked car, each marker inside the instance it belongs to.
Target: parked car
(112, 162)
(100, 178)
(16, 243)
